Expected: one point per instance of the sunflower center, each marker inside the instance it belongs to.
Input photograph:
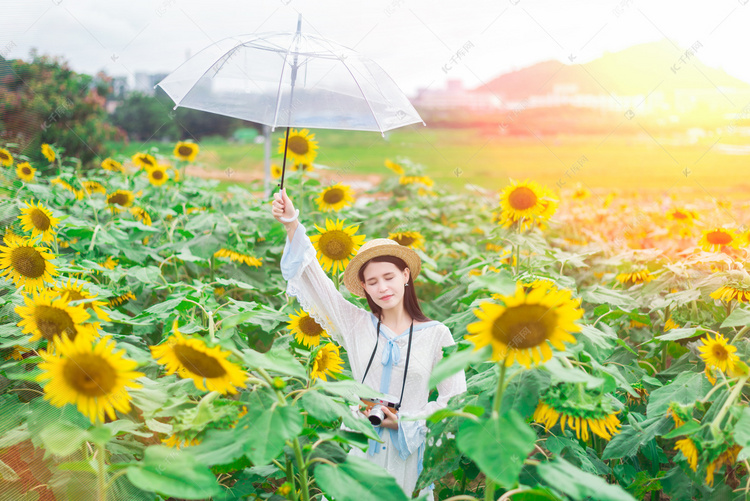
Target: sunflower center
(185, 151)
(119, 199)
(198, 362)
(719, 238)
(40, 220)
(336, 245)
(90, 374)
(405, 240)
(73, 295)
(147, 160)
(299, 145)
(4, 156)
(53, 322)
(333, 196)
(524, 326)
(26, 170)
(28, 262)
(719, 352)
(158, 174)
(309, 326)
(522, 198)
(679, 215)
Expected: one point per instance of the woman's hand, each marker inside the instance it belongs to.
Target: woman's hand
(391, 419)
(282, 207)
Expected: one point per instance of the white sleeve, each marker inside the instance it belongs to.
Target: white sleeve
(315, 291)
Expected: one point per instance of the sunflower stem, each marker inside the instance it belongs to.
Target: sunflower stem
(500, 390)
(489, 489)
(336, 280)
(211, 267)
(715, 426)
(101, 474)
(304, 489)
(290, 478)
(739, 334)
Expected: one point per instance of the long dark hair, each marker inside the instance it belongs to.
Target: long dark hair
(411, 303)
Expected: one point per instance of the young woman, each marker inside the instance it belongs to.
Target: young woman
(376, 341)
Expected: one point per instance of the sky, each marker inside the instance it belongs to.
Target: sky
(415, 41)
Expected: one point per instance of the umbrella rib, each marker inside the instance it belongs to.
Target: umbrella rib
(363, 95)
(281, 77)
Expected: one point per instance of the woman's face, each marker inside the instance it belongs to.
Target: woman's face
(384, 282)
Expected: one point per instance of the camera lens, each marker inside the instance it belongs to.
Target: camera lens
(376, 415)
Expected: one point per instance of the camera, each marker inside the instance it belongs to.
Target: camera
(376, 415)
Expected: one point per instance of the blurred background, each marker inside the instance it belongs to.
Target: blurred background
(600, 94)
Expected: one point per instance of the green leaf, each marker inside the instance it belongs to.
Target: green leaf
(597, 294)
(167, 306)
(565, 374)
(276, 360)
(219, 447)
(686, 429)
(742, 428)
(147, 274)
(630, 439)
(677, 334)
(62, 439)
(321, 407)
(360, 479)
(498, 445)
(173, 472)
(685, 389)
(456, 362)
(579, 485)
(501, 283)
(738, 317)
(267, 432)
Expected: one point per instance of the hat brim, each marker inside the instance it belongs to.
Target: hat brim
(351, 273)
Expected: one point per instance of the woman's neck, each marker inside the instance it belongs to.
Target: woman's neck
(395, 317)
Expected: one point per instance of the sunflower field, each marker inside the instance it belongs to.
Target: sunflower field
(149, 351)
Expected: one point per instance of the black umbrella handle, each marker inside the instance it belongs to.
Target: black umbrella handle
(283, 165)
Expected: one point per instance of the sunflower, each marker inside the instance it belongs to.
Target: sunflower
(424, 180)
(688, 449)
(186, 151)
(122, 299)
(178, 443)
(141, 215)
(301, 147)
(92, 376)
(717, 353)
(635, 277)
(304, 167)
(175, 174)
(10, 236)
(110, 263)
(580, 410)
(144, 160)
(521, 200)
(39, 220)
(728, 457)
(641, 392)
(76, 292)
(6, 158)
(327, 362)
(336, 245)
(50, 317)
(112, 165)
(48, 152)
(580, 193)
(192, 359)
(681, 216)
(120, 200)
(335, 198)
(670, 324)
(739, 292)
(276, 171)
(25, 171)
(679, 413)
(394, 167)
(305, 329)
(526, 325)
(157, 175)
(77, 193)
(412, 239)
(92, 187)
(714, 240)
(241, 258)
(27, 265)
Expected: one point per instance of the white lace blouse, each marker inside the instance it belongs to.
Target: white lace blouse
(354, 328)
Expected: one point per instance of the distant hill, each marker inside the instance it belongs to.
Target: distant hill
(637, 70)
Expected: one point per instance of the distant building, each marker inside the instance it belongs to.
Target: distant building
(454, 97)
(144, 82)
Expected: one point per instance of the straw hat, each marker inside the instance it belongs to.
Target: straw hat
(378, 247)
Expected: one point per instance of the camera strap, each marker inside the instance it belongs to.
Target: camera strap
(406, 368)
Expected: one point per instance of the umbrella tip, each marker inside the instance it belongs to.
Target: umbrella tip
(299, 23)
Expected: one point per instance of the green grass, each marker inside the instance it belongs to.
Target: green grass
(454, 157)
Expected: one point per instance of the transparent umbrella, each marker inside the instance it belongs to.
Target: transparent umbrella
(290, 80)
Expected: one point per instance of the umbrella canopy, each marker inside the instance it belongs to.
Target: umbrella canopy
(290, 80)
